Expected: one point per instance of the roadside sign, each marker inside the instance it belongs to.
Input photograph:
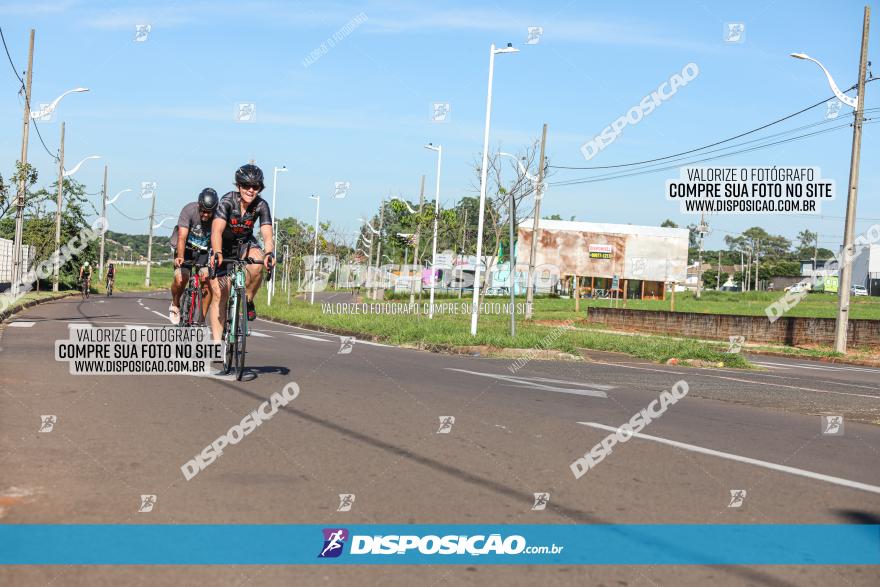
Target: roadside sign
(615, 282)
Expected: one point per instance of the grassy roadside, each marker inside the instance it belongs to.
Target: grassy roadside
(131, 278)
(32, 296)
(547, 331)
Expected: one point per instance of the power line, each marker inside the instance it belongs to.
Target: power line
(769, 124)
(8, 56)
(613, 175)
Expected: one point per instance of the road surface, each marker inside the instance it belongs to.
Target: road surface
(367, 422)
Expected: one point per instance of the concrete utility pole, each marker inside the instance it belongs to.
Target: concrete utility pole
(718, 287)
(464, 254)
(104, 224)
(512, 266)
(150, 241)
(757, 264)
(417, 240)
(17, 262)
(845, 274)
(702, 230)
(530, 296)
(379, 247)
(60, 200)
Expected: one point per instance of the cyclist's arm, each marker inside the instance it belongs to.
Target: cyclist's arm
(268, 241)
(182, 233)
(218, 225)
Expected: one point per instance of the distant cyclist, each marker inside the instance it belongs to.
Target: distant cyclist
(190, 240)
(86, 270)
(110, 278)
(232, 235)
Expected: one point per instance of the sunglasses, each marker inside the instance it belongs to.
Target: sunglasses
(248, 186)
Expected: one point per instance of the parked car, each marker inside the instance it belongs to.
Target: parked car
(735, 288)
(859, 290)
(798, 287)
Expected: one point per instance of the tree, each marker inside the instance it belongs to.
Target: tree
(668, 224)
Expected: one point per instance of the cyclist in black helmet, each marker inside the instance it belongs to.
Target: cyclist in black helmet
(190, 241)
(232, 235)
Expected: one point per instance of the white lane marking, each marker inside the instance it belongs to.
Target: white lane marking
(160, 315)
(370, 342)
(307, 337)
(258, 334)
(531, 383)
(698, 374)
(748, 460)
(21, 324)
(821, 367)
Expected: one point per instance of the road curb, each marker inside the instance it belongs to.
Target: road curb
(10, 312)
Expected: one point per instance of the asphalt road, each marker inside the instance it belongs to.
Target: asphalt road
(366, 423)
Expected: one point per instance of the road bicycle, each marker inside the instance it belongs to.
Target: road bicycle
(86, 285)
(110, 287)
(235, 330)
(192, 311)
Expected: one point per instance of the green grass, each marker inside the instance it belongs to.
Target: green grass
(131, 278)
(33, 295)
(454, 330)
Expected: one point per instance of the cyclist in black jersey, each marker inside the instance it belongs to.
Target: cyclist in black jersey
(190, 241)
(232, 235)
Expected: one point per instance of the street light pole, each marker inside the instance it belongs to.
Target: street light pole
(55, 269)
(150, 241)
(315, 254)
(530, 296)
(104, 223)
(379, 247)
(483, 177)
(271, 287)
(17, 269)
(858, 105)
(439, 150)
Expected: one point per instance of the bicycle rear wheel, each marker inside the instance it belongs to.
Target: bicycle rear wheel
(241, 334)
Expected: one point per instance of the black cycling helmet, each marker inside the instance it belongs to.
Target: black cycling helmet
(249, 174)
(208, 199)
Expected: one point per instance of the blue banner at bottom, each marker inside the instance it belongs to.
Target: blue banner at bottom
(280, 544)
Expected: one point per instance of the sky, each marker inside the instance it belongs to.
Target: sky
(359, 110)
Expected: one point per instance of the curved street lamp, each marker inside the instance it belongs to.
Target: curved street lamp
(858, 105)
(163, 221)
(116, 197)
(50, 108)
(69, 172)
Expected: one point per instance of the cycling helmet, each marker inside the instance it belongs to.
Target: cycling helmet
(208, 199)
(249, 174)
(87, 264)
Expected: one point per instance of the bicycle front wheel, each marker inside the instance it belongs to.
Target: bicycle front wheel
(241, 332)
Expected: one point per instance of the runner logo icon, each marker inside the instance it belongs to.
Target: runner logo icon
(334, 540)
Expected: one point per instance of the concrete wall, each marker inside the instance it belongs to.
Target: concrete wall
(786, 330)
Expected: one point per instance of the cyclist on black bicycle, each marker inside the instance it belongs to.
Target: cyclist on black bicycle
(190, 240)
(232, 236)
(110, 277)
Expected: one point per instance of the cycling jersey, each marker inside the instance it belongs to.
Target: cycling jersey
(199, 236)
(240, 227)
(111, 271)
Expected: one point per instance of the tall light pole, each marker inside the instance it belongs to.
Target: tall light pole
(315, 254)
(17, 265)
(150, 240)
(283, 169)
(483, 176)
(103, 232)
(858, 105)
(50, 108)
(379, 246)
(62, 173)
(539, 195)
(439, 150)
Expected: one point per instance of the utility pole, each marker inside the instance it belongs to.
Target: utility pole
(702, 231)
(757, 264)
(530, 296)
(512, 267)
(464, 254)
(417, 240)
(17, 263)
(742, 272)
(104, 225)
(379, 246)
(150, 241)
(718, 286)
(56, 268)
(845, 274)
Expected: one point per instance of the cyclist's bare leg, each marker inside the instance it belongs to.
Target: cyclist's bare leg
(206, 291)
(254, 273)
(178, 283)
(217, 305)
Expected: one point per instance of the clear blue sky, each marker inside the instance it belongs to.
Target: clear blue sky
(162, 110)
